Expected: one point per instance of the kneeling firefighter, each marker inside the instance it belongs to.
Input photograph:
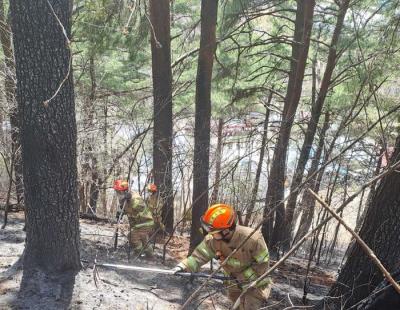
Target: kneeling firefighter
(223, 236)
(140, 218)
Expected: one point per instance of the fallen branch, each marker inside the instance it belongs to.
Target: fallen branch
(363, 245)
(92, 217)
(13, 207)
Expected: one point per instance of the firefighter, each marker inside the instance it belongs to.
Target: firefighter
(140, 218)
(223, 236)
(155, 203)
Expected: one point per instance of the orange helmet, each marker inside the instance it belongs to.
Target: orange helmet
(218, 217)
(152, 187)
(120, 185)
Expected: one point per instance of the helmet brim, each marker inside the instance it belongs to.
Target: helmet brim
(208, 228)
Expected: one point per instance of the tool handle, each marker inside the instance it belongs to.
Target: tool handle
(118, 222)
(203, 275)
(116, 240)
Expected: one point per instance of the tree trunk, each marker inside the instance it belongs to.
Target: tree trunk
(48, 133)
(103, 181)
(380, 231)
(9, 87)
(384, 297)
(275, 190)
(250, 208)
(162, 113)
(209, 12)
(218, 158)
(328, 197)
(94, 184)
(90, 168)
(372, 188)
(359, 211)
(308, 202)
(312, 125)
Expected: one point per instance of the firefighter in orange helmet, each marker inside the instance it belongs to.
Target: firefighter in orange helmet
(223, 236)
(140, 218)
(155, 203)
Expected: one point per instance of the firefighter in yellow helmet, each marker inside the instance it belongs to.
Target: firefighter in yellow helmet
(140, 218)
(155, 202)
(223, 236)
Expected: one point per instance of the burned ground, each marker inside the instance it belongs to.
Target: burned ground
(121, 289)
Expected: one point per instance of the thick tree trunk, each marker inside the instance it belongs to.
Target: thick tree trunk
(48, 133)
(209, 12)
(218, 159)
(250, 208)
(312, 125)
(162, 114)
(380, 231)
(275, 190)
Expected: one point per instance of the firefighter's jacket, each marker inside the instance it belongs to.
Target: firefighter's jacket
(246, 265)
(139, 214)
(155, 204)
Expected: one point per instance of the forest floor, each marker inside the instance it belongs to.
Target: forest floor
(121, 289)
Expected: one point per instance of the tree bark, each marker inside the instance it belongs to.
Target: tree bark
(48, 133)
(162, 113)
(209, 12)
(275, 190)
(380, 231)
(312, 125)
(383, 297)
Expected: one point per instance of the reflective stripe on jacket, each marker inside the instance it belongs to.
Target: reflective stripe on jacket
(138, 213)
(155, 203)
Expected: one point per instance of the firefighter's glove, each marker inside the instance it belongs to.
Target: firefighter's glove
(219, 256)
(177, 269)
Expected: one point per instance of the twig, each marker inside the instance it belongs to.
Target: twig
(96, 276)
(153, 31)
(363, 245)
(290, 301)
(125, 29)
